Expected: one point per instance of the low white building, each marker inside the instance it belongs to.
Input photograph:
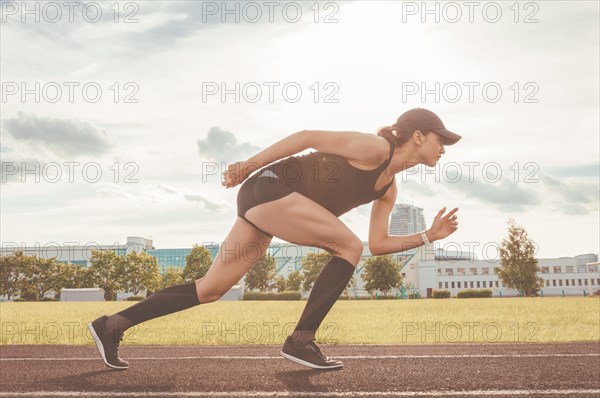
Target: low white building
(82, 294)
(428, 269)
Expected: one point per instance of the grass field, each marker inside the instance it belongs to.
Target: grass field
(505, 320)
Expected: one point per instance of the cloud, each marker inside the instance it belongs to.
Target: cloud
(64, 137)
(223, 146)
(574, 197)
(572, 209)
(152, 27)
(584, 170)
(574, 192)
(504, 194)
(166, 189)
(410, 186)
(208, 204)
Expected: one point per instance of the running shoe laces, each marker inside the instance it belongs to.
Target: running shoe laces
(316, 349)
(116, 351)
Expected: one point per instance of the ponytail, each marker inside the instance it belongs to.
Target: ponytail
(396, 136)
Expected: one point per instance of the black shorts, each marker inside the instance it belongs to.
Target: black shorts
(263, 187)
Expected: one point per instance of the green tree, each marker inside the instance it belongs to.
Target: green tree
(106, 272)
(294, 281)
(197, 263)
(171, 277)
(381, 273)
(351, 283)
(518, 266)
(140, 272)
(312, 265)
(260, 277)
(39, 277)
(280, 283)
(12, 273)
(68, 276)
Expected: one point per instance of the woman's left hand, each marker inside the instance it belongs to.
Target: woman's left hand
(444, 225)
(236, 173)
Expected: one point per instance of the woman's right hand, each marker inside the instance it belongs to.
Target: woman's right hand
(236, 173)
(444, 225)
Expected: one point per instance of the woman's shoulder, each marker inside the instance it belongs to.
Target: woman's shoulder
(380, 149)
(362, 150)
(374, 152)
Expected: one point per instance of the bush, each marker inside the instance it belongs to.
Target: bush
(134, 298)
(470, 293)
(417, 295)
(361, 298)
(48, 299)
(440, 294)
(382, 297)
(272, 296)
(20, 300)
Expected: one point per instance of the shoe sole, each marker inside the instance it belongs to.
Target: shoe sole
(308, 364)
(101, 348)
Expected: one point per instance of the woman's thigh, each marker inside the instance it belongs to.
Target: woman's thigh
(241, 249)
(300, 220)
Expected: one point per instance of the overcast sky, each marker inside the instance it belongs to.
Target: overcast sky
(134, 93)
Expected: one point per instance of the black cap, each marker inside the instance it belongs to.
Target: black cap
(424, 120)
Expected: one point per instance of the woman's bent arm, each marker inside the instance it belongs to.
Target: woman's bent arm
(443, 226)
(395, 244)
(288, 146)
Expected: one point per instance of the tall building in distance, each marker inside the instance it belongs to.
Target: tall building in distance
(406, 220)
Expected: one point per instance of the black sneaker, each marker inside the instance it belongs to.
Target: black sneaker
(308, 355)
(107, 343)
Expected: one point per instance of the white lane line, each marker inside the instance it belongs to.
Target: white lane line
(438, 393)
(339, 357)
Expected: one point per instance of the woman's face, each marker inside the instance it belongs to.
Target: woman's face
(432, 149)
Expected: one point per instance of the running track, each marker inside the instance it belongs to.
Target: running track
(458, 370)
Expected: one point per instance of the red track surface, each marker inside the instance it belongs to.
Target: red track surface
(500, 370)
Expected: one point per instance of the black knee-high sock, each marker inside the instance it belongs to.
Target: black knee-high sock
(171, 299)
(330, 283)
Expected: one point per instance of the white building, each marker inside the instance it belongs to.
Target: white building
(406, 220)
(75, 252)
(454, 272)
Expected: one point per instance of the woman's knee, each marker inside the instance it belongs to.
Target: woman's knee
(351, 250)
(207, 294)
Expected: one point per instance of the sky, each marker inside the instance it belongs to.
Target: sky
(118, 120)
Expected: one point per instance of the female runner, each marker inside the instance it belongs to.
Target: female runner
(299, 199)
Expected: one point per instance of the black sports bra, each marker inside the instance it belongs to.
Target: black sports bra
(330, 180)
